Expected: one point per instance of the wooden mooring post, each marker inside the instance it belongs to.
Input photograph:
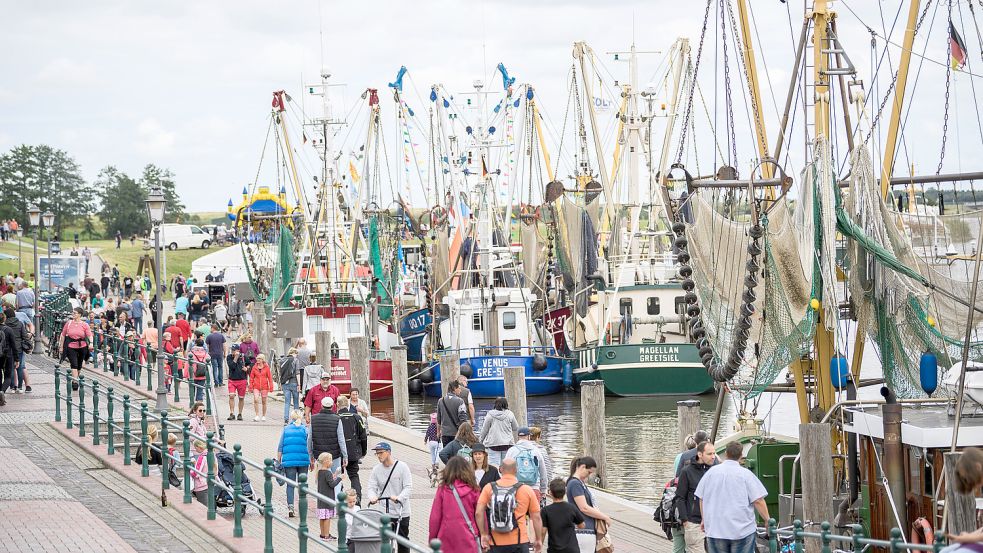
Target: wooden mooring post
(401, 392)
(816, 462)
(688, 416)
(960, 508)
(358, 355)
(322, 348)
(259, 328)
(515, 393)
(592, 413)
(450, 368)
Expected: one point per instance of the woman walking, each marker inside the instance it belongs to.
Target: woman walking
(452, 515)
(261, 383)
(76, 337)
(582, 499)
(465, 438)
(498, 431)
(293, 453)
(483, 472)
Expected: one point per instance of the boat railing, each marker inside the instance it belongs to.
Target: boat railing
(795, 465)
(499, 350)
(95, 412)
(792, 539)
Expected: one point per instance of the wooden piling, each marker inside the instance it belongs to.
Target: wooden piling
(358, 356)
(592, 414)
(688, 416)
(401, 392)
(515, 392)
(816, 462)
(259, 327)
(961, 508)
(450, 368)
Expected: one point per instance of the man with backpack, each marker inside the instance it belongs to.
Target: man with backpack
(690, 513)
(531, 467)
(503, 509)
(356, 442)
(288, 383)
(451, 413)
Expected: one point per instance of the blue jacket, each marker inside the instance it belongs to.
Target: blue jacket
(293, 445)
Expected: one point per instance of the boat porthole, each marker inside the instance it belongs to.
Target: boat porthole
(610, 354)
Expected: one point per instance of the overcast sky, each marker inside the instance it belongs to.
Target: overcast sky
(187, 85)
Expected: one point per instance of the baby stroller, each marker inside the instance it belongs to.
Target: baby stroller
(225, 466)
(363, 537)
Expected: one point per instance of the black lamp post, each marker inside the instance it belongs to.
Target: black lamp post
(155, 210)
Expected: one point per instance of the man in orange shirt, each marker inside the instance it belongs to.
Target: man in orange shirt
(503, 531)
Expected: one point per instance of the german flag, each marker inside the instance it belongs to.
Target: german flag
(957, 47)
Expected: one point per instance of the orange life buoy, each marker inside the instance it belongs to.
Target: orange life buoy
(921, 532)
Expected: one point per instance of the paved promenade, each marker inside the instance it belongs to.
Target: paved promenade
(633, 530)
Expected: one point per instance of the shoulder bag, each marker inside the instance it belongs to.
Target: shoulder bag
(464, 513)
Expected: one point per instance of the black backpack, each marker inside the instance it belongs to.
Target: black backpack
(666, 512)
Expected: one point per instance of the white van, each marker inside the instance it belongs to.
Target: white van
(174, 236)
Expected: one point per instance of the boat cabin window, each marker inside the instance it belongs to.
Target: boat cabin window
(625, 305)
(653, 306)
(353, 324)
(476, 322)
(680, 302)
(511, 347)
(316, 323)
(508, 320)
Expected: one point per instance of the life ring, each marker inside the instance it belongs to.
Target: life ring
(921, 532)
(529, 214)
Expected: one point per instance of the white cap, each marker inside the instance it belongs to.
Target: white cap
(327, 402)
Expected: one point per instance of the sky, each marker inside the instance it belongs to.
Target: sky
(187, 85)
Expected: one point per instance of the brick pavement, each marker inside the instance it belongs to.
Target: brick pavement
(55, 497)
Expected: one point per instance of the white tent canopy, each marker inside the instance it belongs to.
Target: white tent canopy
(227, 259)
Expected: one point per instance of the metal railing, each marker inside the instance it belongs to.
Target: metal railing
(791, 539)
(140, 438)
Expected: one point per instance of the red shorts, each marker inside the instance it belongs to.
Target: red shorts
(238, 387)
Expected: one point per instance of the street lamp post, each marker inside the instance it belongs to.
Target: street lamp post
(155, 210)
(49, 221)
(34, 215)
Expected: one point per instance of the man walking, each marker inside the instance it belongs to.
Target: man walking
(451, 412)
(465, 394)
(328, 434)
(391, 483)
(689, 507)
(217, 350)
(313, 400)
(136, 313)
(508, 532)
(729, 495)
(531, 467)
(288, 383)
(356, 441)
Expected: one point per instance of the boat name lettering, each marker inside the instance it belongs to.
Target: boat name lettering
(658, 354)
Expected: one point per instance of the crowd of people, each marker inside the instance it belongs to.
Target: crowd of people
(17, 305)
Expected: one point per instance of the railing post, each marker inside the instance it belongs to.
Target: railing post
(192, 392)
(237, 492)
(939, 542)
(175, 379)
(211, 474)
(144, 451)
(111, 448)
(268, 506)
(772, 536)
(95, 412)
(186, 460)
(385, 525)
(797, 536)
(208, 390)
(857, 535)
(896, 539)
(341, 508)
(68, 398)
(139, 366)
(57, 395)
(81, 406)
(824, 536)
(151, 381)
(127, 455)
(123, 360)
(302, 532)
(164, 461)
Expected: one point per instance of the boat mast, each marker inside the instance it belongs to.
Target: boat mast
(891, 147)
(682, 54)
(752, 77)
(580, 50)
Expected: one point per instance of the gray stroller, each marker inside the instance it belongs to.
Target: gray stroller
(363, 537)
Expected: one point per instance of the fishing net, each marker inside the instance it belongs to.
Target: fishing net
(911, 275)
(271, 266)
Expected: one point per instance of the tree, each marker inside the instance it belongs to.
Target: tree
(47, 177)
(124, 205)
(164, 178)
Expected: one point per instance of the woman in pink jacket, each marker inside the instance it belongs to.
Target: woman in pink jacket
(453, 522)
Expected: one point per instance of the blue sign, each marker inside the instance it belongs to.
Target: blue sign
(63, 270)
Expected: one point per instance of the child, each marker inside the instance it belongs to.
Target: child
(561, 520)
(351, 506)
(199, 475)
(326, 482)
(431, 439)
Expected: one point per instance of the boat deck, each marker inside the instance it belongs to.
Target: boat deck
(927, 426)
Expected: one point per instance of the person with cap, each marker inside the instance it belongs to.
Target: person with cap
(313, 401)
(391, 482)
(531, 467)
(484, 472)
(451, 412)
(238, 380)
(328, 434)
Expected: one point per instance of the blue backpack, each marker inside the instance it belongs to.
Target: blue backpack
(527, 467)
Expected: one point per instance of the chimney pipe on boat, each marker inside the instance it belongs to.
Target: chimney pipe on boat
(843, 518)
(894, 456)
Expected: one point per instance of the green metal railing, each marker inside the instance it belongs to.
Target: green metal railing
(792, 539)
(141, 439)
